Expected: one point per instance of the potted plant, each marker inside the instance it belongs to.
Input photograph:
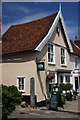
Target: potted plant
(49, 78)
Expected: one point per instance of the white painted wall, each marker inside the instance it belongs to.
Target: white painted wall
(77, 72)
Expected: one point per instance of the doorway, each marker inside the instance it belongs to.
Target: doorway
(76, 83)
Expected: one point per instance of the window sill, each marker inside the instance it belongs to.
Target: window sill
(63, 65)
(22, 91)
(51, 63)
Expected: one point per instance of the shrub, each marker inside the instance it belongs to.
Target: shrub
(10, 98)
(65, 87)
(63, 99)
(61, 87)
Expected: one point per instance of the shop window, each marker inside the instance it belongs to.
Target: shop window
(61, 78)
(67, 79)
(51, 53)
(21, 84)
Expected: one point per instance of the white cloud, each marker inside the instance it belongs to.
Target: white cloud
(25, 10)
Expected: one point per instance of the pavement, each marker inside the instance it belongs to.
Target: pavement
(71, 110)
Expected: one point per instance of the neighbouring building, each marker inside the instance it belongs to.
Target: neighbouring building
(75, 65)
(43, 41)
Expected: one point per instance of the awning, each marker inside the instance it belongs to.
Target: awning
(63, 71)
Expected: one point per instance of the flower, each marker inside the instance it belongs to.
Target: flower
(50, 75)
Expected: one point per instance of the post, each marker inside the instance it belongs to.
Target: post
(32, 92)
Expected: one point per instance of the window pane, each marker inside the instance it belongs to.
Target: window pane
(48, 57)
(52, 58)
(62, 60)
(22, 81)
(48, 47)
(19, 81)
(51, 48)
(68, 79)
(61, 77)
(61, 51)
(19, 87)
(22, 87)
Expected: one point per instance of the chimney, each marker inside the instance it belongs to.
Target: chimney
(75, 37)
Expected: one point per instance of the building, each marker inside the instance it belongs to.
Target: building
(43, 42)
(75, 65)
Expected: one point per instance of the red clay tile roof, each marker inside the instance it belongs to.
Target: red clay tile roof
(77, 42)
(76, 49)
(27, 36)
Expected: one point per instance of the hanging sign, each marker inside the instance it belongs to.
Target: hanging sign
(40, 66)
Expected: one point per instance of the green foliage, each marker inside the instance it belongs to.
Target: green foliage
(47, 81)
(65, 87)
(63, 99)
(10, 98)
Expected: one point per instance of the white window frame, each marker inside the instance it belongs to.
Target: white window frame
(18, 83)
(51, 53)
(64, 56)
(76, 67)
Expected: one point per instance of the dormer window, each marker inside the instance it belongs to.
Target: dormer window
(58, 30)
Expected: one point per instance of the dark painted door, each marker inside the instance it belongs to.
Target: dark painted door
(76, 83)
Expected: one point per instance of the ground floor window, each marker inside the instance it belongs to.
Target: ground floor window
(67, 79)
(61, 77)
(21, 84)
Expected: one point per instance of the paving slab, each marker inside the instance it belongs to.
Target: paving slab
(71, 110)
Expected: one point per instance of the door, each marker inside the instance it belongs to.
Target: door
(76, 83)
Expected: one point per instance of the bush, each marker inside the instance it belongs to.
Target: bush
(63, 99)
(10, 98)
(65, 87)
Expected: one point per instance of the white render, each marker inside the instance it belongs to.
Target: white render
(75, 72)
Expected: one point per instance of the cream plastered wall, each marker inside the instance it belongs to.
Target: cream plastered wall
(22, 65)
(59, 42)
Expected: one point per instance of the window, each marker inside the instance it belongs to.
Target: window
(51, 53)
(63, 56)
(67, 79)
(61, 77)
(76, 63)
(21, 83)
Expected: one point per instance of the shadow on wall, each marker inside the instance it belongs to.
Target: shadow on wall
(19, 57)
(41, 84)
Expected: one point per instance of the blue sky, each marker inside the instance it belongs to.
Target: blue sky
(22, 12)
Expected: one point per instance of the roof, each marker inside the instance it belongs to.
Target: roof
(32, 35)
(76, 49)
(77, 42)
(27, 36)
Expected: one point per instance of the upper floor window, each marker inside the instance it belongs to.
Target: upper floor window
(63, 56)
(21, 84)
(51, 53)
(76, 63)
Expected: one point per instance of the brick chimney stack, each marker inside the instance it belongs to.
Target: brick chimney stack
(76, 38)
(77, 42)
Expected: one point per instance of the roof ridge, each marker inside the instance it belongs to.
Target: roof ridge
(75, 45)
(33, 20)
